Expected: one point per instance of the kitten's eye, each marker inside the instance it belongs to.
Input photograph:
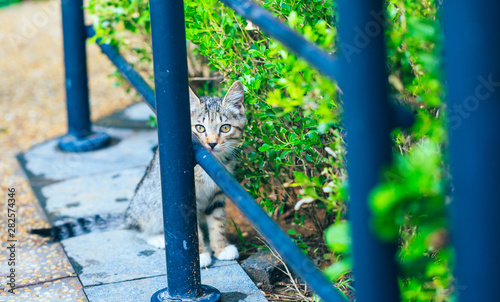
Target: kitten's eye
(200, 128)
(225, 128)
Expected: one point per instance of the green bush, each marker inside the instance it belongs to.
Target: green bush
(4, 3)
(293, 153)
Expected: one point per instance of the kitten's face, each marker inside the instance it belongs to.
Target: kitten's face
(219, 122)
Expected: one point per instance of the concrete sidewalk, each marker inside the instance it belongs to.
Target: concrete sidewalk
(114, 265)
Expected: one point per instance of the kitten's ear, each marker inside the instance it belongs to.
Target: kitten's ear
(235, 95)
(194, 100)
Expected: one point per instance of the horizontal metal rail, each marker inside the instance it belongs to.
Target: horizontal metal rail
(323, 62)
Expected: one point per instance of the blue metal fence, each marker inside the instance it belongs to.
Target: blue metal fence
(369, 119)
(473, 76)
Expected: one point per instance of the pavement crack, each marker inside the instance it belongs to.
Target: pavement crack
(40, 282)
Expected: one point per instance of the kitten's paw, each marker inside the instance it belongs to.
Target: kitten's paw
(205, 259)
(229, 253)
(158, 241)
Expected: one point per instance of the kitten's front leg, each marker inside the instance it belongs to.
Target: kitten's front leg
(158, 241)
(216, 230)
(205, 256)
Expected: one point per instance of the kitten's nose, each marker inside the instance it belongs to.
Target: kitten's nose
(212, 145)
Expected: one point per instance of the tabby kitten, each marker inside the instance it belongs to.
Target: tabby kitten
(218, 123)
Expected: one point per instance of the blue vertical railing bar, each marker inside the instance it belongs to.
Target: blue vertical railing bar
(80, 136)
(75, 62)
(288, 250)
(472, 46)
(368, 122)
(176, 155)
(323, 62)
(126, 70)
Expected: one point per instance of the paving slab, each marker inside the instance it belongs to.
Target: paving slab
(129, 149)
(105, 193)
(36, 263)
(135, 116)
(116, 256)
(230, 280)
(113, 256)
(66, 289)
(138, 112)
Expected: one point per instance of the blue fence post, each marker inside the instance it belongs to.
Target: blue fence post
(80, 136)
(472, 45)
(368, 120)
(176, 155)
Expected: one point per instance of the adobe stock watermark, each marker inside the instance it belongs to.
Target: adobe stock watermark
(484, 89)
(364, 36)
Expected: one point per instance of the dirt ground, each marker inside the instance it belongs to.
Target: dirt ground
(32, 95)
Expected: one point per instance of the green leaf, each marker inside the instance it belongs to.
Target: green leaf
(264, 147)
(338, 237)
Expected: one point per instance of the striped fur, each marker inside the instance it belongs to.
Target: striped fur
(82, 226)
(212, 114)
(145, 209)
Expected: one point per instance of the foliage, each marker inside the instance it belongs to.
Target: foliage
(409, 204)
(285, 148)
(293, 153)
(4, 3)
